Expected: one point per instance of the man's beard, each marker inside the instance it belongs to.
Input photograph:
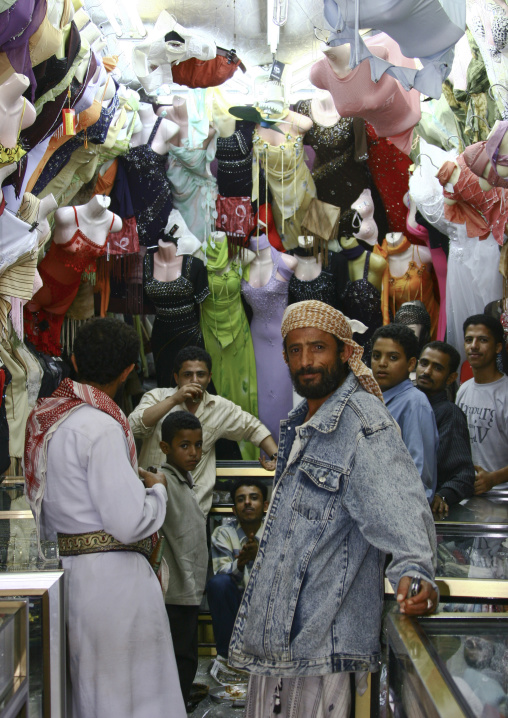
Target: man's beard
(331, 379)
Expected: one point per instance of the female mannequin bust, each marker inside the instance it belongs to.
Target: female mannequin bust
(367, 231)
(16, 113)
(244, 257)
(308, 267)
(338, 58)
(399, 263)
(164, 136)
(167, 265)
(262, 265)
(177, 114)
(377, 264)
(323, 109)
(292, 123)
(95, 220)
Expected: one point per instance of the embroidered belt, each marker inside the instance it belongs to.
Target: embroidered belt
(99, 542)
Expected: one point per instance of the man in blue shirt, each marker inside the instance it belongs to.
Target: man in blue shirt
(394, 357)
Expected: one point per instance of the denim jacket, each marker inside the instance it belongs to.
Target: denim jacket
(351, 495)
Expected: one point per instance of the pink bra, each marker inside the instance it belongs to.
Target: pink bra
(477, 157)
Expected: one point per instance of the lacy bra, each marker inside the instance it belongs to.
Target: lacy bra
(79, 251)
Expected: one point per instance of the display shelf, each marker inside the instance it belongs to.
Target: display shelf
(44, 591)
(448, 665)
(13, 659)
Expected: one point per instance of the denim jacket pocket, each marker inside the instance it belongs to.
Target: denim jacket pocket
(317, 491)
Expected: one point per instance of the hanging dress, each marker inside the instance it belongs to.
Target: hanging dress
(339, 177)
(150, 189)
(227, 335)
(60, 272)
(275, 391)
(193, 185)
(361, 300)
(176, 322)
(415, 283)
(327, 287)
(289, 180)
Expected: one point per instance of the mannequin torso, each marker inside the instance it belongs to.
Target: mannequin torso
(262, 266)
(243, 258)
(293, 124)
(323, 109)
(95, 221)
(164, 136)
(399, 263)
(177, 114)
(167, 266)
(377, 264)
(16, 113)
(338, 58)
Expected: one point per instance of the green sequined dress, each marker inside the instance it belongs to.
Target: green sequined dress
(227, 335)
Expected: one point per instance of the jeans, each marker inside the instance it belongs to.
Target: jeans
(224, 598)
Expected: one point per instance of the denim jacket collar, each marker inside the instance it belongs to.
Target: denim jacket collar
(328, 415)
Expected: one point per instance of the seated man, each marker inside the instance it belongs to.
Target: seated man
(219, 417)
(436, 370)
(484, 401)
(234, 548)
(394, 356)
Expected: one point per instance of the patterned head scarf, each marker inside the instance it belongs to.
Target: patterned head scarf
(322, 316)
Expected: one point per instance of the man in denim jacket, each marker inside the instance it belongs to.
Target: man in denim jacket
(346, 494)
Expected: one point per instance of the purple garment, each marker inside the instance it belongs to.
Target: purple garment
(17, 24)
(275, 390)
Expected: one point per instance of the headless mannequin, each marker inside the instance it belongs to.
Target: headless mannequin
(244, 257)
(482, 181)
(308, 267)
(399, 263)
(167, 265)
(94, 221)
(11, 109)
(338, 58)
(377, 264)
(368, 231)
(262, 265)
(323, 109)
(163, 137)
(177, 113)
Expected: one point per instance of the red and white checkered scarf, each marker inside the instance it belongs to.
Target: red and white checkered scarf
(44, 420)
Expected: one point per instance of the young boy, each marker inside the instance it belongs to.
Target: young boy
(394, 357)
(185, 548)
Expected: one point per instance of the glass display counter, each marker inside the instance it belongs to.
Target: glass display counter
(448, 665)
(13, 659)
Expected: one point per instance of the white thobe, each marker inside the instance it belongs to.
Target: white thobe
(121, 657)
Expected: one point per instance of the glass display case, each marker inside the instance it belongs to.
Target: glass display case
(448, 665)
(44, 591)
(13, 659)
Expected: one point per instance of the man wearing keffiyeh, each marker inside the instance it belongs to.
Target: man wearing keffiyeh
(346, 494)
(83, 487)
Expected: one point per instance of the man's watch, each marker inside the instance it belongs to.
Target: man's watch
(273, 456)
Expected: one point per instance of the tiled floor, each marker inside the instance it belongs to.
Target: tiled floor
(208, 708)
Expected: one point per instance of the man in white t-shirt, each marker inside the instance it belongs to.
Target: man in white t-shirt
(484, 401)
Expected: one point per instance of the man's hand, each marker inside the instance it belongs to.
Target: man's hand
(248, 553)
(188, 392)
(424, 603)
(268, 464)
(150, 479)
(484, 480)
(439, 506)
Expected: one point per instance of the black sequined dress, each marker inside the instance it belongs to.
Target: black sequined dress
(149, 188)
(176, 322)
(339, 177)
(327, 287)
(361, 300)
(234, 163)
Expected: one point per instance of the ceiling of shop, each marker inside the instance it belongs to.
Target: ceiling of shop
(238, 24)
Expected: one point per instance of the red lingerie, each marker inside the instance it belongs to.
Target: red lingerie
(60, 271)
